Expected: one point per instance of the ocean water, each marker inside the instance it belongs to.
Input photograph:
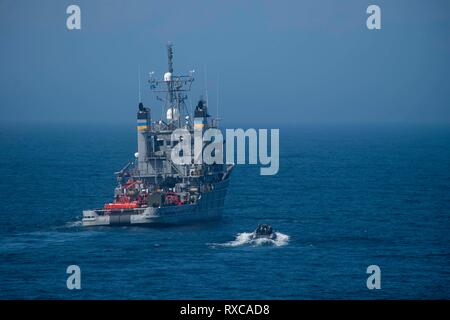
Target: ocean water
(345, 197)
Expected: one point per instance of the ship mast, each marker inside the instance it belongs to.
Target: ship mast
(175, 88)
(170, 56)
(169, 73)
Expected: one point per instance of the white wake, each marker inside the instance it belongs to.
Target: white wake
(73, 224)
(246, 239)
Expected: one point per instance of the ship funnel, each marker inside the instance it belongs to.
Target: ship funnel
(201, 115)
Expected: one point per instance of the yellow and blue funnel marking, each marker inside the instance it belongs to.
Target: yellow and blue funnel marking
(199, 123)
(142, 124)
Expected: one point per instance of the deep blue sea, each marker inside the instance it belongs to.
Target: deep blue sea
(345, 197)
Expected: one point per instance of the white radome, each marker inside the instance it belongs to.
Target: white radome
(175, 116)
(136, 155)
(168, 76)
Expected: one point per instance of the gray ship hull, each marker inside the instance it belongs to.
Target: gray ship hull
(209, 207)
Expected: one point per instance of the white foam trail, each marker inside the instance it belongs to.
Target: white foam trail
(73, 224)
(245, 238)
(241, 239)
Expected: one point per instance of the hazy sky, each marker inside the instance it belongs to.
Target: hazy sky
(279, 62)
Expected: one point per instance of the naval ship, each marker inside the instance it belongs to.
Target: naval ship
(152, 188)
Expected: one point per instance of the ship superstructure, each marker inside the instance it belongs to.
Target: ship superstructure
(152, 188)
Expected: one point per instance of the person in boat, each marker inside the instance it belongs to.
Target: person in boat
(264, 231)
